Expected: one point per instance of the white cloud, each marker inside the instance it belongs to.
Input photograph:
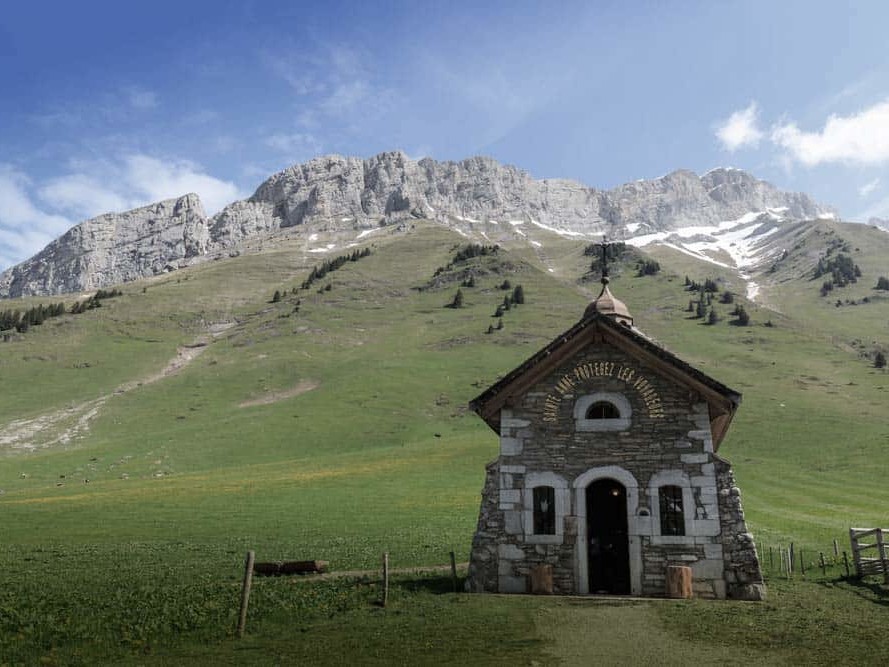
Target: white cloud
(332, 82)
(740, 129)
(134, 180)
(30, 216)
(82, 196)
(24, 227)
(868, 188)
(861, 139)
(163, 179)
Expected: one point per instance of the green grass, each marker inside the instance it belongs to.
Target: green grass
(377, 452)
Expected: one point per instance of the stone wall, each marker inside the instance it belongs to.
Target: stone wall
(546, 441)
(743, 575)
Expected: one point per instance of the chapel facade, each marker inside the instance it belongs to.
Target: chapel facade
(608, 470)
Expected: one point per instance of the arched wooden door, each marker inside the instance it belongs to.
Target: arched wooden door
(608, 549)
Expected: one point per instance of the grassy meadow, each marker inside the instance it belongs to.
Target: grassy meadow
(333, 425)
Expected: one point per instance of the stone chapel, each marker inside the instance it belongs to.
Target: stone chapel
(608, 470)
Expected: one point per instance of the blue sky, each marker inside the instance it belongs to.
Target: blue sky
(106, 106)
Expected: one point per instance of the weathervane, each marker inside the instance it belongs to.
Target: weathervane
(605, 245)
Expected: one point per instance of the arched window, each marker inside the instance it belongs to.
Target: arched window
(672, 515)
(544, 510)
(603, 410)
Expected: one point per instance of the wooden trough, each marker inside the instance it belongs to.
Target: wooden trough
(283, 567)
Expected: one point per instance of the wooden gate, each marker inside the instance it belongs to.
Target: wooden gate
(874, 562)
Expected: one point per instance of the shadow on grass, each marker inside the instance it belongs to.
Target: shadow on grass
(872, 591)
(435, 584)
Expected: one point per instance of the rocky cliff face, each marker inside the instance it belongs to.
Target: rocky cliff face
(114, 248)
(336, 193)
(348, 191)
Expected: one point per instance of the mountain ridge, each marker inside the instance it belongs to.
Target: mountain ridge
(334, 194)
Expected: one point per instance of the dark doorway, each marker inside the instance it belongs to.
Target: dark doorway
(608, 547)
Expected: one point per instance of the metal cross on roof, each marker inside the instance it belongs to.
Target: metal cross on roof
(605, 245)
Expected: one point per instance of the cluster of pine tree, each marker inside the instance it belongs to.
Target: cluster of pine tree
(21, 321)
(709, 285)
(841, 269)
(702, 306)
(510, 301)
(647, 267)
(742, 318)
(517, 298)
(471, 250)
(318, 272)
(882, 283)
(467, 252)
(95, 301)
(613, 251)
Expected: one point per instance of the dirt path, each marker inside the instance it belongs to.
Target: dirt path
(60, 427)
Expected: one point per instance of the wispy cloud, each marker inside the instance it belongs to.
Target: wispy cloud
(24, 226)
(133, 180)
(32, 215)
(860, 139)
(868, 188)
(335, 84)
(740, 129)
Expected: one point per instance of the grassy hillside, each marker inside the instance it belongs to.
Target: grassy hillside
(333, 424)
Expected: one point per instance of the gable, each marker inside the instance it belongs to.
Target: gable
(596, 330)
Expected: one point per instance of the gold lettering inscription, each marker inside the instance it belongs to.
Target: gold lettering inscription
(569, 382)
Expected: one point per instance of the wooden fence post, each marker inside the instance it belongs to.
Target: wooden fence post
(385, 578)
(245, 593)
(802, 562)
(823, 564)
(771, 561)
(846, 563)
(881, 554)
(853, 541)
(454, 570)
(836, 548)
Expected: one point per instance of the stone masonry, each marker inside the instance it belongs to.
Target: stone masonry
(663, 437)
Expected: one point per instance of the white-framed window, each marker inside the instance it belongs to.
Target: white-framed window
(672, 513)
(545, 501)
(544, 510)
(602, 411)
(672, 504)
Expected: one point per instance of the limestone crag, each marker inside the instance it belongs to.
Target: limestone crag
(354, 193)
(336, 193)
(114, 248)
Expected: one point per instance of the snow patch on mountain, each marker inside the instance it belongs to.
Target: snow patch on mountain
(743, 241)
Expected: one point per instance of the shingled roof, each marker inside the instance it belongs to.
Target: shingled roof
(596, 326)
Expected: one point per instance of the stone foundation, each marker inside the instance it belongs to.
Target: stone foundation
(545, 443)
